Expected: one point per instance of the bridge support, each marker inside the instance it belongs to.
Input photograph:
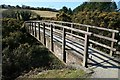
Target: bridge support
(63, 45)
(51, 37)
(85, 55)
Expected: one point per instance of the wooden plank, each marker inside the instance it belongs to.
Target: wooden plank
(74, 40)
(72, 26)
(103, 37)
(32, 29)
(69, 28)
(35, 29)
(54, 30)
(95, 27)
(39, 30)
(102, 45)
(76, 30)
(51, 37)
(80, 37)
(88, 29)
(63, 45)
(44, 33)
(28, 27)
(112, 44)
(85, 55)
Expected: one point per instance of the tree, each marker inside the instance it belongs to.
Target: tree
(25, 15)
(93, 6)
(64, 9)
(63, 17)
(18, 7)
(70, 11)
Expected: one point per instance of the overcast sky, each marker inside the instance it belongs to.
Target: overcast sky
(57, 4)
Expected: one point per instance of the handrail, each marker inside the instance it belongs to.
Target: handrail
(112, 39)
(51, 26)
(66, 27)
(111, 30)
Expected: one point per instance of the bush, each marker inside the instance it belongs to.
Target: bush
(21, 52)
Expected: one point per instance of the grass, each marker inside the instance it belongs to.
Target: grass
(48, 14)
(64, 73)
(1, 10)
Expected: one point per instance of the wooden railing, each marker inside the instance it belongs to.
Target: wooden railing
(45, 25)
(111, 39)
(58, 27)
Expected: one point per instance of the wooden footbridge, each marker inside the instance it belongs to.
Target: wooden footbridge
(76, 43)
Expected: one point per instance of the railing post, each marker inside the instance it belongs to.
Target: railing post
(72, 26)
(51, 37)
(25, 26)
(32, 29)
(39, 29)
(88, 29)
(44, 33)
(112, 43)
(63, 45)
(28, 27)
(35, 30)
(85, 55)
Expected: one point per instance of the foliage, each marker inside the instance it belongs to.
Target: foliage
(104, 19)
(20, 14)
(21, 52)
(66, 10)
(25, 15)
(10, 25)
(27, 7)
(109, 20)
(63, 17)
(93, 6)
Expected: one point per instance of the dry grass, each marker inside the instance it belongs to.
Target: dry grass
(48, 14)
(64, 73)
(2, 10)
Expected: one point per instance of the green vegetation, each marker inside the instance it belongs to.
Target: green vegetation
(21, 52)
(91, 13)
(100, 14)
(105, 19)
(64, 14)
(27, 7)
(93, 6)
(20, 14)
(63, 73)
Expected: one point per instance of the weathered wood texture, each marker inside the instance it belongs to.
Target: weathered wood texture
(56, 26)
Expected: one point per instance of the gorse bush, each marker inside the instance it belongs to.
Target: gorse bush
(105, 19)
(63, 17)
(100, 6)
